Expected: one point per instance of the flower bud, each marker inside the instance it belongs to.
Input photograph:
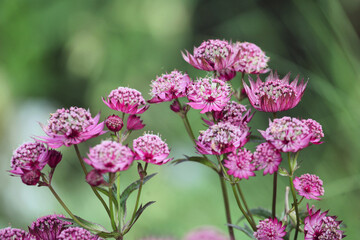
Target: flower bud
(175, 106)
(134, 123)
(31, 177)
(94, 178)
(114, 123)
(54, 157)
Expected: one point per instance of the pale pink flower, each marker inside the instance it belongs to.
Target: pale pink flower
(252, 60)
(126, 100)
(48, 227)
(222, 138)
(71, 126)
(315, 130)
(109, 156)
(208, 94)
(287, 134)
(169, 86)
(151, 149)
(270, 229)
(234, 113)
(13, 234)
(309, 186)
(76, 233)
(206, 233)
(320, 226)
(267, 157)
(240, 164)
(275, 94)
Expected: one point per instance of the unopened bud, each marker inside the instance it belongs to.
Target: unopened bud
(31, 177)
(94, 178)
(54, 157)
(134, 123)
(175, 107)
(114, 123)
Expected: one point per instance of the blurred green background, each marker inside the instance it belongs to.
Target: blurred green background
(57, 54)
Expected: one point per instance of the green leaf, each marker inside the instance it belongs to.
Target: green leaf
(139, 212)
(246, 229)
(131, 188)
(283, 172)
(90, 225)
(106, 193)
(260, 212)
(197, 159)
(108, 235)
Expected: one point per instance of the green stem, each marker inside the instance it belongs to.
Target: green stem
(138, 196)
(187, 123)
(274, 195)
(227, 207)
(244, 201)
(113, 224)
(295, 200)
(118, 200)
(81, 160)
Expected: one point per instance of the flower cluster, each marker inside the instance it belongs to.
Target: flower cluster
(205, 233)
(76, 233)
(48, 227)
(240, 164)
(270, 229)
(267, 157)
(309, 186)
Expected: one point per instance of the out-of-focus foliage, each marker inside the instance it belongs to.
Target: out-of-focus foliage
(62, 53)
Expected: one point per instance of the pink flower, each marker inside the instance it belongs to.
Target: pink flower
(206, 233)
(319, 226)
(222, 138)
(109, 156)
(287, 134)
(214, 55)
(95, 178)
(13, 234)
(157, 238)
(208, 94)
(126, 100)
(114, 123)
(48, 227)
(71, 126)
(240, 164)
(169, 86)
(315, 130)
(134, 123)
(53, 157)
(309, 186)
(252, 59)
(151, 149)
(270, 229)
(76, 233)
(274, 95)
(267, 157)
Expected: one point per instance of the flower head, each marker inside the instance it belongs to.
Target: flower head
(126, 100)
(169, 86)
(48, 227)
(234, 113)
(267, 157)
(275, 94)
(252, 60)
(76, 233)
(309, 186)
(240, 164)
(71, 126)
(205, 233)
(222, 138)
(109, 156)
(208, 94)
(287, 134)
(319, 226)
(315, 130)
(13, 234)
(151, 149)
(270, 229)
(114, 123)
(134, 123)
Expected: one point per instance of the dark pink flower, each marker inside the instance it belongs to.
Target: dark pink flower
(53, 157)
(14, 234)
(114, 123)
(267, 157)
(109, 156)
(76, 233)
(270, 229)
(315, 130)
(30, 177)
(222, 138)
(126, 100)
(240, 164)
(134, 123)
(309, 186)
(234, 113)
(275, 94)
(71, 126)
(205, 233)
(150, 148)
(95, 178)
(48, 227)
(320, 226)
(252, 60)
(208, 94)
(169, 86)
(287, 134)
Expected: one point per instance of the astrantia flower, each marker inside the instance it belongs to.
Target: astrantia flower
(109, 156)
(134, 123)
(205, 233)
(48, 227)
(76, 233)
(240, 164)
(157, 238)
(318, 226)
(309, 186)
(222, 138)
(169, 86)
(150, 148)
(126, 100)
(13, 234)
(71, 126)
(315, 130)
(208, 94)
(235, 113)
(267, 157)
(252, 60)
(270, 229)
(114, 123)
(287, 134)
(275, 94)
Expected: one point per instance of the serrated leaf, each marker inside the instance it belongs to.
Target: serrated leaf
(246, 229)
(139, 212)
(197, 159)
(131, 188)
(90, 225)
(106, 193)
(260, 212)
